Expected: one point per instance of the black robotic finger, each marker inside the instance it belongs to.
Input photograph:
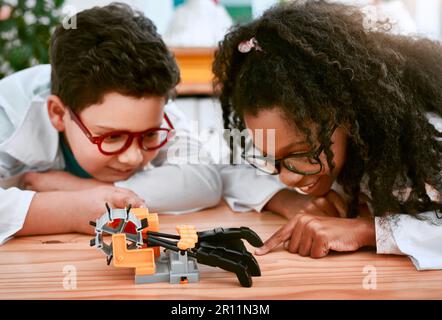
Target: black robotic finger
(238, 246)
(221, 234)
(237, 251)
(223, 260)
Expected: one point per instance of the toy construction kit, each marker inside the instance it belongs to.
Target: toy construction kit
(136, 243)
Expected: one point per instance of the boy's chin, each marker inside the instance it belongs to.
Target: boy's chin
(111, 175)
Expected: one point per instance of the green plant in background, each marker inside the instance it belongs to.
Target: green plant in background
(25, 29)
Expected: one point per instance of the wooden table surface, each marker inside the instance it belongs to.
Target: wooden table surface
(35, 268)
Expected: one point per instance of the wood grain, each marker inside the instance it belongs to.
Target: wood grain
(32, 268)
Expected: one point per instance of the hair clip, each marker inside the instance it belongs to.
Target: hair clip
(247, 45)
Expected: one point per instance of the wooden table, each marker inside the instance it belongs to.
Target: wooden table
(33, 268)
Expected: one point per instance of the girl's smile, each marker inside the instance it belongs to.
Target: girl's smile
(307, 189)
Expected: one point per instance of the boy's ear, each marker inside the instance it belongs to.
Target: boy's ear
(57, 112)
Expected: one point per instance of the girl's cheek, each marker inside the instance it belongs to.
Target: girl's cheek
(324, 186)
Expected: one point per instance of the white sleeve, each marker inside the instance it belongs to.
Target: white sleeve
(245, 189)
(177, 188)
(14, 205)
(418, 237)
(182, 177)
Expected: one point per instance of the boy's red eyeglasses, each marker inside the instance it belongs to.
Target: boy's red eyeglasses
(117, 142)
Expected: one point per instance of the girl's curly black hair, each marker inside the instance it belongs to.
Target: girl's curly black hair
(319, 63)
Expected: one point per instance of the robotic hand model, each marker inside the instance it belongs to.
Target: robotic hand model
(136, 243)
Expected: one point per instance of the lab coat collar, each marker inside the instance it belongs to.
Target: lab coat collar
(35, 142)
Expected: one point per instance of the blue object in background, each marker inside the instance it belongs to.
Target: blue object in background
(178, 2)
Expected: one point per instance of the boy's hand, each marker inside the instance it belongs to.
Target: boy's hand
(307, 234)
(93, 205)
(70, 211)
(56, 181)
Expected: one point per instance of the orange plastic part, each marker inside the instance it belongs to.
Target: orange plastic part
(143, 260)
(153, 224)
(188, 237)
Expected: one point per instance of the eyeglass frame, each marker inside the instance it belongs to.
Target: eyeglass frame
(313, 154)
(132, 135)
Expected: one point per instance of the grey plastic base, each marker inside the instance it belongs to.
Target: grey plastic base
(172, 267)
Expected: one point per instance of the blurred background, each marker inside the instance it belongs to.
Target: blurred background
(192, 29)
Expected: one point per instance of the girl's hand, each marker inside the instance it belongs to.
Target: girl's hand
(93, 205)
(56, 181)
(315, 236)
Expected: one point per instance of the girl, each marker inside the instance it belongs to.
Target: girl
(356, 118)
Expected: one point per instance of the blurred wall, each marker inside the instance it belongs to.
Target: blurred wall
(159, 11)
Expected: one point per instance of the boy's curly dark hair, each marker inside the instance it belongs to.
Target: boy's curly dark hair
(320, 64)
(112, 49)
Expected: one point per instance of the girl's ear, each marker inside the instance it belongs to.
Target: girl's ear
(57, 112)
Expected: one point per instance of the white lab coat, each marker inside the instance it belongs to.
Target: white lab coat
(29, 142)
(244, 189)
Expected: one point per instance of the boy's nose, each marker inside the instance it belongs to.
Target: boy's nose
(133, 156)
(289, 178)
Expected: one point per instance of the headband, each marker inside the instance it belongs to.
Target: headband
(247, 45)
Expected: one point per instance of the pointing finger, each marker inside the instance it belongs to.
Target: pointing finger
(277, 238)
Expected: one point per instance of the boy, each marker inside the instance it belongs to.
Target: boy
(89, 129)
